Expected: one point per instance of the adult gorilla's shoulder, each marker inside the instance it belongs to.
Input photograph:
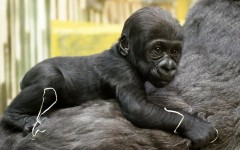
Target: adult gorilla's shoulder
(208, 82)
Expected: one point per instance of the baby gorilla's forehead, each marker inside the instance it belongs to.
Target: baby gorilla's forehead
(166, 34)
(164, 31)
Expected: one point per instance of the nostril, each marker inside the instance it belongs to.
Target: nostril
(168, 67)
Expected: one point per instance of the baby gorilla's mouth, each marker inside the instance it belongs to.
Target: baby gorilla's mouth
(157, 79)
(164, 82)
(164, 78)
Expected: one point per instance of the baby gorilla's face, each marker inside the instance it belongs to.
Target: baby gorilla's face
(164, 56)
(154, 42)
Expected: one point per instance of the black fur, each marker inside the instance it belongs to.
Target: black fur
(149, 49)
(207, 85)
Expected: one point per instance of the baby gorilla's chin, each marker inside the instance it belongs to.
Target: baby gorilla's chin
(159, 83)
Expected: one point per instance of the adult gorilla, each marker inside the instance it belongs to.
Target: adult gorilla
(207, 85)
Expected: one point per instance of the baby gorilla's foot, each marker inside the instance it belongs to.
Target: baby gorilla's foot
(30, 121)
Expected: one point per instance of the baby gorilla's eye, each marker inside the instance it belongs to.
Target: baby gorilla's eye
(157, 50)
(174, 51)
(156, 53)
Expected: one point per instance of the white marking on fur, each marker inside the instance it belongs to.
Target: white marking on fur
(180, 122)
(40, 113)
(216, 136)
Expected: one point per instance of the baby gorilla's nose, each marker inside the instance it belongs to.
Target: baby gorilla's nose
(167, 65)
(167, 69)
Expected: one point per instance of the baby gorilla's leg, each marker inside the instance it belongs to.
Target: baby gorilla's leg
(23, 110)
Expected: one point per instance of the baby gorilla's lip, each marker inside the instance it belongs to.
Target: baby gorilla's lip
(166, 76)
(160, 77)
(165, 82)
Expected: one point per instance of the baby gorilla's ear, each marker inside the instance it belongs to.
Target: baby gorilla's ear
(123, 45)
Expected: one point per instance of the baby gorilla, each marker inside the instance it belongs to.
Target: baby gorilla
(149, 49)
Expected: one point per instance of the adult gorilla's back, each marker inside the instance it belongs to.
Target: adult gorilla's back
(208, 85)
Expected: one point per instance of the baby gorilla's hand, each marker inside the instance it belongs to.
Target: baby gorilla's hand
(200, 132)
